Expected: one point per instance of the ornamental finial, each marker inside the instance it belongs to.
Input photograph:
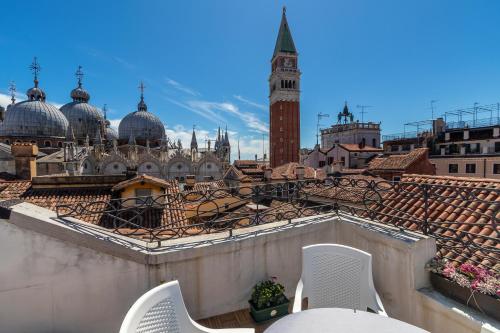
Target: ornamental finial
(284, 10)
(35, 69)
(79, 76)
(12, 89)
(141, 88)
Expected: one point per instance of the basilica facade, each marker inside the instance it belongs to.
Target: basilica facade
(77, 139)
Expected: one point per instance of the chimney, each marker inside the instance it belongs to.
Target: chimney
(25, 159)
(190, 180)
(255, 157)
(268, 173)
(299, 171)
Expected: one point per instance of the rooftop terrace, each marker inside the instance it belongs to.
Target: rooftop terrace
(91, 256)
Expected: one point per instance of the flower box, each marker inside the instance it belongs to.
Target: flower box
(269, 313)
(268, 300)
(488, 304)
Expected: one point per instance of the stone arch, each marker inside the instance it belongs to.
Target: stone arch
(209, 166)
(87, 166)
(179, 168)
(149, 166)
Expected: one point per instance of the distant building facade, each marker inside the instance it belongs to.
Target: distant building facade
(349, 131)
(284, 99)
(464, 148)
(77, 140)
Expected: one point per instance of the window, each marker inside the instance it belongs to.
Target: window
(374, 142)
(454, 149)
(467, 148)
(406, 147)
(396, 179)
(470, 168)
(321, 164)
(496, 169)
(143, 196)
(497, 147)
(7, 142)
(330, 160)
(452, 168)
(394, 148)
(282, 84)
(59, 144)
(47, 144)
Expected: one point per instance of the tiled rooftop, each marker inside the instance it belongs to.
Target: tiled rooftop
(459, 210)
(398, 162)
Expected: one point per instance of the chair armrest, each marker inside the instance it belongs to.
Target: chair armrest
(297, 301)
(378, 306)
(202, 329)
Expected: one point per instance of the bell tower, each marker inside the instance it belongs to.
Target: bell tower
(284, 99)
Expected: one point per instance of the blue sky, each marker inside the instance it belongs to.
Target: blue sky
(207, 62)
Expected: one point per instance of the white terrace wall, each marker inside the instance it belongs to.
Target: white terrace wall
(76, 282)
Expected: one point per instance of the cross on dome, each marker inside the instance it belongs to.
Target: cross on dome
(79, 75)
(35, 69)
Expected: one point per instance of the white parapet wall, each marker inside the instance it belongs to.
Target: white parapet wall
(65, 277)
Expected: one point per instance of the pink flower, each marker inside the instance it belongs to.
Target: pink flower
(449, 270)
(469, 270)
(475, 284)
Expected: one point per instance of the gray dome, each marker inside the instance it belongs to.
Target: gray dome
(84, 118)
(111, 134)
(143, 125)
(34, 118)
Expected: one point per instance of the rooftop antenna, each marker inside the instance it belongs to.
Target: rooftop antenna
(320, 116)
(79, 76)
(363, 107)
(12, 89)
(432, 108)
(35, 69)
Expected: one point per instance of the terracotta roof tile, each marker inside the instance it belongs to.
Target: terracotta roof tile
(460, 212)
(288, 171)
(356, 148)
(397, 162)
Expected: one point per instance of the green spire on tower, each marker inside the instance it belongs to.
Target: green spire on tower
(284, 43)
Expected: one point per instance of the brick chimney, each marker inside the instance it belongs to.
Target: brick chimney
(268, 173)
(25, 159)
(299, 171)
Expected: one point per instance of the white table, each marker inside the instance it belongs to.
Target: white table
(334, 320)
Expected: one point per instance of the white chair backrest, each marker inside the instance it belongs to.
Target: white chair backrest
(336, 276)
(160, 310)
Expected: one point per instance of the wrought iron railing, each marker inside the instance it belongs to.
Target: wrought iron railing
(463, 219)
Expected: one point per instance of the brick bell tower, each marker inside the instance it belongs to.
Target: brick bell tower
(284, 99)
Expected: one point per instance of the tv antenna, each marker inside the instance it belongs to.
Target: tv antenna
(320, 116)
(363, 107)
(433, 108)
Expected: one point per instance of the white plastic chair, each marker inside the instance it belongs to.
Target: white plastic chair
(337, 276)
(162, 310)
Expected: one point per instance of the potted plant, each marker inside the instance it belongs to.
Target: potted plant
(268, 300)
(471, 285)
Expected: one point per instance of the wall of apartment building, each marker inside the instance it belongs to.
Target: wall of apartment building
(62, 279)
(485, 167)
(371, 136)
(315, 159)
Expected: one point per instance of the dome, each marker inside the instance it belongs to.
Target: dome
(34, 117)
(143, 125)
(110, 133)
(84, 118)
(80, 94)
